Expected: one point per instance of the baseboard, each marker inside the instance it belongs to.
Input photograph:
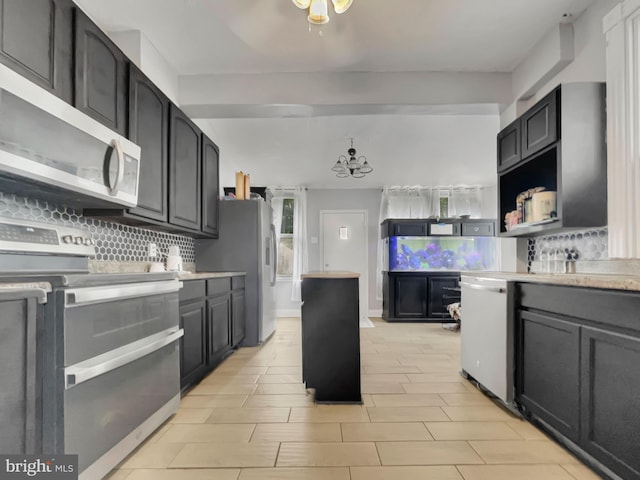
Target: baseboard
(375, 313)
(291, 312)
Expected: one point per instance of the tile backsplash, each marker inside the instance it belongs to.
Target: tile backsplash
(114, 242)
(588, 245)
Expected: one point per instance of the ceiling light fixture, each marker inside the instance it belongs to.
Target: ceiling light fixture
(351, 166)
(319, 10)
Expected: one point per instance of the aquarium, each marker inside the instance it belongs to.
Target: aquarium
(440, 253)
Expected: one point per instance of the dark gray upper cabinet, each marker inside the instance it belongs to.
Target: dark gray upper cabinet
(210, 186)
(149, 128)
(185, 188)
(540, 124)
(36, 40)
(100, 75)
(509, 146)
(563, 146)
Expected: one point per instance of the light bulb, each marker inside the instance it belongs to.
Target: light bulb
(318, 12)
(341, 6)
(302, 3)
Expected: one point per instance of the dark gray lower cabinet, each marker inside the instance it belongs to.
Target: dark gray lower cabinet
(238, 318)
(417, 296)
(219, 320)
(611, 400)
(20, 395)
(213, 318)
(578, 371)
(549, 381)
(193, 345)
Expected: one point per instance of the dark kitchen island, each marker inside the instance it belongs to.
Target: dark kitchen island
(331, 336)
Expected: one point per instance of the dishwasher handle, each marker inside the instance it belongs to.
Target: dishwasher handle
(76, 297)
(94, 367)
(486, 288)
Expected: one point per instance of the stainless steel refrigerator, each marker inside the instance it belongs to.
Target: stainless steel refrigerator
(247, 243)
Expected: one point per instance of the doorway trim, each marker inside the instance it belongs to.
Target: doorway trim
(366, 246)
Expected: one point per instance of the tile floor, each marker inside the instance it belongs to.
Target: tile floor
(252, 420)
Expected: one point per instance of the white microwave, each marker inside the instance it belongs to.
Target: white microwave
(52, 151)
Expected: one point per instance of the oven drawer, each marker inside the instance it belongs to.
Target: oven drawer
(103, 410)
(92, 329)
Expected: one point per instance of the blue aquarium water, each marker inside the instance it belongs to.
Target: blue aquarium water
(441, 253)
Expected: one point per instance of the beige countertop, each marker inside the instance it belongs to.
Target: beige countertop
(593, 280)
(205, 275)
(336, 274)
(39, 288)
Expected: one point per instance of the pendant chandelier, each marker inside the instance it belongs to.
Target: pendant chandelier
(319, 10)
(351, 166)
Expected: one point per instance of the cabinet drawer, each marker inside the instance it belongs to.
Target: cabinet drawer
(216, 286)
(478, 229)
(193, 290)
(237, 282)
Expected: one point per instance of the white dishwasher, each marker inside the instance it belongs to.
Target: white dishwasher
(487, 336)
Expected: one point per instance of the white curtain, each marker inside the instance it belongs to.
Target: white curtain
(300, 246)
(465, 200)
(410, 202)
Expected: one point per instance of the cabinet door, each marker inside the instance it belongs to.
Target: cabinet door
(210, 186)
(219, 319)
(417, 229)
(540, 125)
(509, 146)
(548, 363)
(193, 345)
(36, 38)
(439, 298)
(149, 128)
(101, 76)
(184, 171)
(479, 229)
(411, 297)
(611, 400)
(19, 400)
(239, 328)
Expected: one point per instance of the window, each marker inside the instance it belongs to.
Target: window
(285, 247)
(444, 205)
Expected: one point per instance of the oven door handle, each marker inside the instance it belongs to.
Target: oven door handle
(94, 367)
(76, 297)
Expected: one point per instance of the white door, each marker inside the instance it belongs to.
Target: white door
(344, 246)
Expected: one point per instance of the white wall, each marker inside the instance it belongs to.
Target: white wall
(589, 62)
(341, 199)
(144, 54)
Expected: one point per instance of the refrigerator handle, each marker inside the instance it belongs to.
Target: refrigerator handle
(274, 264)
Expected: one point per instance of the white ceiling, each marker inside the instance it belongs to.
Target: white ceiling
(417, 143)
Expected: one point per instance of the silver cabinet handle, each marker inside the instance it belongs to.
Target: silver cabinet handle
(94, 367)
(483, 287)
(76, 297)
(120, 172)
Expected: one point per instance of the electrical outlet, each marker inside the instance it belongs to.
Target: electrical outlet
(152, 250)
